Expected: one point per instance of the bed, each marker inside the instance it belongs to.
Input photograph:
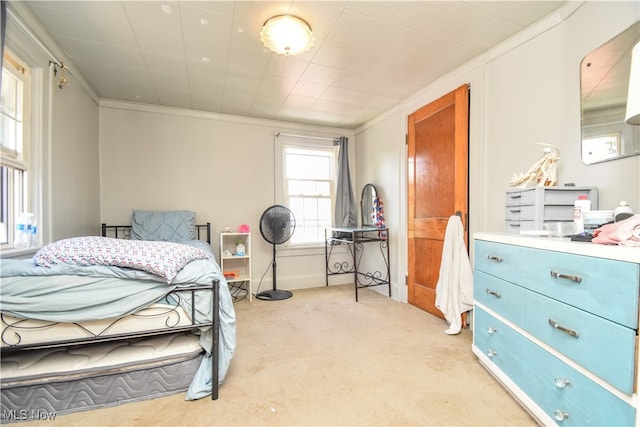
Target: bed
(140, 312)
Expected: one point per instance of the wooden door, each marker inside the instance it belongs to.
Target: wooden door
(437, 168)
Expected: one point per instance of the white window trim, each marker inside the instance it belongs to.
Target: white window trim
(24, 45)
(280, 141)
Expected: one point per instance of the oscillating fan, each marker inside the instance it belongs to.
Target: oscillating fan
(277, 224)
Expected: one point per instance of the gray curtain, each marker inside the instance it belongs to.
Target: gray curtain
(345, 213)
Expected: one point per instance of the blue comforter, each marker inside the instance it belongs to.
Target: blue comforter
(71, 293)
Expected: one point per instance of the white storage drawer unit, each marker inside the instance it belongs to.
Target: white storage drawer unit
(528, 209)
(556, 322)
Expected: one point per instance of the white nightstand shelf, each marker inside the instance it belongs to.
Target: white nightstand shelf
(236, 268)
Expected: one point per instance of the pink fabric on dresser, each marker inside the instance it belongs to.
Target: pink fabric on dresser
(625, 232)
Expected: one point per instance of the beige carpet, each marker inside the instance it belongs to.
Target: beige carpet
(321, 359)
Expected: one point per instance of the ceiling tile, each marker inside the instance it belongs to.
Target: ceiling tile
(206, 71)
(247, 62)
(149, 15)
(281, 66)
(463, 22)
(357, 30)
(308, 89)
(298, 101)
(316, 73)
(421, 16)
(166, 64)
(105, 10)
(276, 86)
(366, 58)
(101, 53)
(169, 82)
(129, 75)
(382, 10)
(152, 40)
(206, 25)
(529, 12)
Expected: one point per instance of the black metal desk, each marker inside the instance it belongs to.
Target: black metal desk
(357, 239)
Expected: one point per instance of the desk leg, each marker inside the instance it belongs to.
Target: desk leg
(355, 263)
(326, 260)
(388, 261)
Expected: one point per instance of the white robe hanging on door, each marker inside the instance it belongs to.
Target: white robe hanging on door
(454, 290)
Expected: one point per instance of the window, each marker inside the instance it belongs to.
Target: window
(309, 189)
(14, 153)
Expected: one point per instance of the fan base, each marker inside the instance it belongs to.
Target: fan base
(274, 295)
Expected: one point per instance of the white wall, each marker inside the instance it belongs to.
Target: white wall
(523, 91)
(220, 166)
(67, 135)
(75, 181)
(380, 157)
(533, 95)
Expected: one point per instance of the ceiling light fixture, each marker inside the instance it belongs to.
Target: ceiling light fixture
(286, 35)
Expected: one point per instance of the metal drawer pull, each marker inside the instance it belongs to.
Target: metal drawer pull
(514, 210)
(560, 415)
(516, 196)
(494, 293)
(568, 331)
(561, 382)
(491, 353)
(557, 275)
(492, 329)
(494, 258)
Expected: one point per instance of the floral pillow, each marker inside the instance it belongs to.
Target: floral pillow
(164, 259)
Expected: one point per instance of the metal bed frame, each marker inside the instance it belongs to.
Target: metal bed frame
(124, 232)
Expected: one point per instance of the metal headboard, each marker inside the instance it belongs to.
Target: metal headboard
(124, 231)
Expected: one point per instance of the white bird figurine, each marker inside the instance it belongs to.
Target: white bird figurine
(543, 172)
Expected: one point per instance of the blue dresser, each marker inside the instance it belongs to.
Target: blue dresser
(556, 322)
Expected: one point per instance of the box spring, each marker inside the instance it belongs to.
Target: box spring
(52, 382)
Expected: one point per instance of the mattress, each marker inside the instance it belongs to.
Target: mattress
(42, 383)
(15, 330)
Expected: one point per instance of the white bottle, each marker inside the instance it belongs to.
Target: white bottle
(623, 207)
(33, 233)
(580, 206)
(21, 238)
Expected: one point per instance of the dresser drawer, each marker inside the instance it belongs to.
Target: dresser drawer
(504, 298)
(499, 343)
(605, 348)
(558, 388)
(607, 288)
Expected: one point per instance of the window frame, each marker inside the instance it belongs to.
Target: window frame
(17, 164)
(281, 192)
(36, 136)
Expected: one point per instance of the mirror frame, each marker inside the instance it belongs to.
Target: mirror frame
(370, 191)
(604, 84)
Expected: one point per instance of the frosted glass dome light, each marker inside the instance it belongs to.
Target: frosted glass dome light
(286, 35)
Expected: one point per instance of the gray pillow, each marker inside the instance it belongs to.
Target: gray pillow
(167, 226)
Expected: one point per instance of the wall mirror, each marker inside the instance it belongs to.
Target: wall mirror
(369, 193)
(604, 85)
